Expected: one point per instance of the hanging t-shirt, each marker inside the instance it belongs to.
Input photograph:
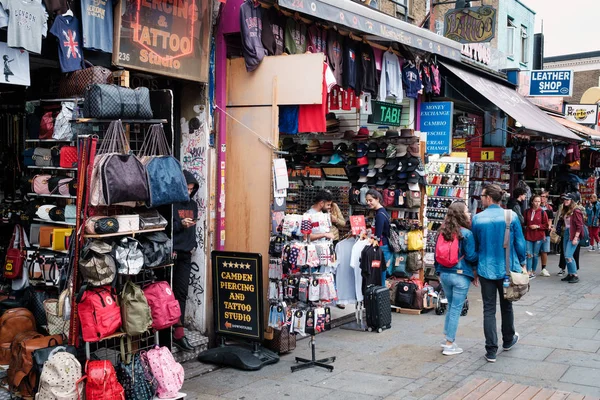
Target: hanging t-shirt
(251, 30)
(344, 274)
(369, 72)
(411, 80)
(317, 39)
(436, 82)
(311, 117)
(426, 78)
(335, 43)
(295, 36)
(334, 98)
(352, 76)
(273, 33)
(67, 32)
(390, 84)
(3, 17)
(27, 24)
(97, 22)
(371, 264)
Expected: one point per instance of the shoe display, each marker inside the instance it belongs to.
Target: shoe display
(512, 344)
(183, 344)
(545, 272)
(490, 357)
(567, 278)
(574, 279)
(452, 350)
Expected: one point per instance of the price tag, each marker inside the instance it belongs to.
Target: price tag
(487, 155)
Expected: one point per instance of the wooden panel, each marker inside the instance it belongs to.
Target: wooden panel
(248, 181)
(513, 392)
(497, 391)
(528, 393)
(559, 395)
(466, 389)
(575, 396)
(482, 390)
(300, 81)
(544, 394)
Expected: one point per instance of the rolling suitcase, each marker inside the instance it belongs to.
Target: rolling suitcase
(378, 307)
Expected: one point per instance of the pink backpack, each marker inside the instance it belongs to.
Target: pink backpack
(163, 305)
(168, 373)
(446, 252)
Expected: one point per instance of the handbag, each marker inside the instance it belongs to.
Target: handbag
(101, 225)
(129, 256)
(151, 220)
(61, 238)
(28, 157)
(42, 157)
(47, 125)
(56, 324)
(128, 223)
(68, 157)
(39, 184)
(74, 84)
(166, 182)
(131, 375)
(518, 284)
(46, 236)
(112, 101)
(62, 125)
(16, 255)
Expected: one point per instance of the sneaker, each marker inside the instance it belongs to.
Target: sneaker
(531, 276)
(545, 272)
(561, 272)
(574, 279)
(592, 248)
(566, 278)
(511, 344)
(452, 350)
(490, 357)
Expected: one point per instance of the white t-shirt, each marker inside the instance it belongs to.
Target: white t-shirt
(27, 24)
(321, 221)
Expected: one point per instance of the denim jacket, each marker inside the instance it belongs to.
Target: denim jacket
(593, 214)
(488, 229)
(466, 250)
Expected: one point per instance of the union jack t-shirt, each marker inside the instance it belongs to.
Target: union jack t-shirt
(67, 30)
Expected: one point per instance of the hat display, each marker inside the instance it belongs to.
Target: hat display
(336, 159)
(407, 133)
(313, 146)
(379, 163)
(326, 148)
(372, 173)
(373, 149)
(392, 134)
(377, 134)
(362, 161)
(362, 150)
(390, 151)
(414, 187)
(392, 164)
(401, 150)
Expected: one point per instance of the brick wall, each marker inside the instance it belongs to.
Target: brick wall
(387, 7)
(583, 81)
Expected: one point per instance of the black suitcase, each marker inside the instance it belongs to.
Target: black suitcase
(378, 307)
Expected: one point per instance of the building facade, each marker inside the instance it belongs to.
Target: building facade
(586, 68)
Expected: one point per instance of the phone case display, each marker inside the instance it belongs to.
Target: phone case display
(485, 173)
(447, 181)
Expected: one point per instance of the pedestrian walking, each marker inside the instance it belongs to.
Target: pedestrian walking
(488, 229)
(516, 203)
(536, 224)
(572, 232)
(454, 264)
(593, 222)
(545, 250)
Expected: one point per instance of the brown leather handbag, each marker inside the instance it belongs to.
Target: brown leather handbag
(20, 373)
(46, 236)
(13, 322)
(73, 85)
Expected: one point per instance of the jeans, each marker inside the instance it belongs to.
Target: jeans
(489, 290)
(562, 263)
(456, 287)
(569, 250)
(533, 254)
(388, 256)
(546, 245)
(181, 279)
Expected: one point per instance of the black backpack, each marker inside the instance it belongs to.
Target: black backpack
(405, 294)
(156, 247)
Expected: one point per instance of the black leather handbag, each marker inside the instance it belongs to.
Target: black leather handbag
(106, 225)
(124, 179)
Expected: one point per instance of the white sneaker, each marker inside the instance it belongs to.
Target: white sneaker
(531, 276)
(592, 248)
(545, 272)
(561, 272)
(452, 350)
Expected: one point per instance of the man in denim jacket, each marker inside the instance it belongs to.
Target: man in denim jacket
(488, 228)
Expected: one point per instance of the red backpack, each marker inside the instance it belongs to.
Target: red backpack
(99, 313)
(163, 305)
(446, 252)
(102, 383)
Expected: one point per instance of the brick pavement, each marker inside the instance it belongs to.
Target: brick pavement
(559, 350)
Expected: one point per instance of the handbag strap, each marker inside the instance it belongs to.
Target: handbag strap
(126, 356)
(506, 245)
(13, 239)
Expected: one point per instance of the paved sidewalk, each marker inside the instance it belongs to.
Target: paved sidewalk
(559, 325)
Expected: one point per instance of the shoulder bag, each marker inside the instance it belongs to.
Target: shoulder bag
(518, 281)
(15, 255)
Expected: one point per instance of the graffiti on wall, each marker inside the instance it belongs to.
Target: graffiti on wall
(194, 158)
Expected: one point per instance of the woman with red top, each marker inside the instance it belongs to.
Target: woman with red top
(573, 231)
(536, 223)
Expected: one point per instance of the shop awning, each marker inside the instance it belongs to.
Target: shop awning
(577, 128)
(515, 105)
(373, 22)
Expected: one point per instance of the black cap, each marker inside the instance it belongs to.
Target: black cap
(391, 165)
(412, 164)
(413, 177)
(373, 149)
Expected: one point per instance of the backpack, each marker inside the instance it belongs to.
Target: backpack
(447, 251)
(389, 197)
(362, 197)
(60, 378)
(405, 294)
(99, 313)
(168, 373)
(41, 356)
(156, 247)
(136, 379)
(97, 264)
(163, 305)
(354, 196)
(13, 322)
(102, 383)
(129, 256)
(135, 312)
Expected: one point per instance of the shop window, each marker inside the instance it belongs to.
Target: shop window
(510, 38)
(524, 45)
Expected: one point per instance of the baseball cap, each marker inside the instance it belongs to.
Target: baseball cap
(373, 149)
(412, 164)
(362, 179)
(381, 153)
(362, 150)
(390, 151)
(324, 159)
(380, 163)
(371, 163)
(361, 161)
(401, 150)
(364, 171)
(336, 159)
(378, 134)
(565, 196)
(414, 187)
(341, 148)
(413, 177)
(372, 173)
(381, 180)
(392, 164)
(402, 163)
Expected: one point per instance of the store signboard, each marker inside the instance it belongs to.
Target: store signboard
(470, 25)
(436, 120)
(586, 114)
(551, 83)
(237, 292)
(385, 113)
(164, 37)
